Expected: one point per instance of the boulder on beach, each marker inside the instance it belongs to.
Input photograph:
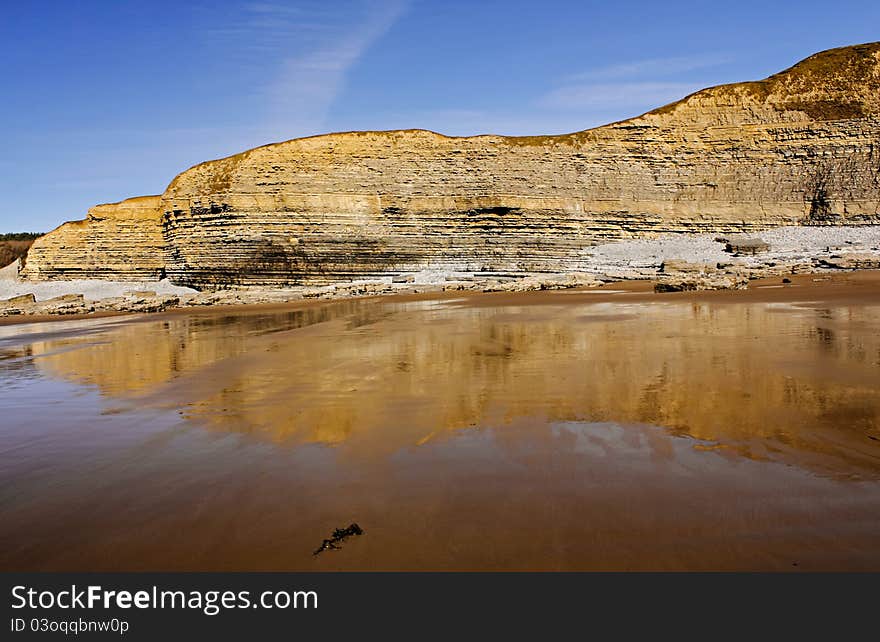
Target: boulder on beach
(22, 299)
(852, 261)
(746, 245)
(690, 283)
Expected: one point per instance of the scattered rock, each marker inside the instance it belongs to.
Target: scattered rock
(553, 282)
(696, 282)
(27, 304)
(155, 303)
(746, 245)
(17, 301)
(64, 304)
(672, 266)
(795, 250)
(852, 261)
(491, 285)
(313, 293)
(67, 298)
(22, 304)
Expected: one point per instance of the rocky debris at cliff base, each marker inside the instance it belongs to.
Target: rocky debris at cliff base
(136, 303)
(542, 282)
(22, 300)
(701, 262)
(240, 297)
(678, 275)
(64, 304)
(852, 261)
(800, 248)
(91, 289)
(693, 282)
(88, 296)
(21, 304)
(742, 245)
(677, 262)
(78, 304)
(672, 266)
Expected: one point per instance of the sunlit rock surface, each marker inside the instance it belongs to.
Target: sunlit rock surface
(800, 147)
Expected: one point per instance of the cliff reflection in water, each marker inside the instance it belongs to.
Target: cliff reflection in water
(764, 381)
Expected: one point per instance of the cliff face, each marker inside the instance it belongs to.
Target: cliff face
(801, 147)
(115, 241)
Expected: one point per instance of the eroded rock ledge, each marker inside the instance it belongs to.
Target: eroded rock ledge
(799, 148)
(674, 263)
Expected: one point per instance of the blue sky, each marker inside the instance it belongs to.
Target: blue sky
(102, 100)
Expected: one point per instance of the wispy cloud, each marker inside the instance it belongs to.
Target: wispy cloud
(611, 95)
(654, 67)
(631, 87)
(311, 76)
(298, 55)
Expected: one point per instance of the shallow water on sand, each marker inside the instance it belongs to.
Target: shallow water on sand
(516, 432)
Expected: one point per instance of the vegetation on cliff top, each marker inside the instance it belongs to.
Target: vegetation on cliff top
(15, 246)
(816, 85)
(21, 236)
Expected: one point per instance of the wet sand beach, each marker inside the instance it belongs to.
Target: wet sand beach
(608, 429)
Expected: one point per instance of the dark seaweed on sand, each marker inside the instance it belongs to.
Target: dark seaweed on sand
(339, 535)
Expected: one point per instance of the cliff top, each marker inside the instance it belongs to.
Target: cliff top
(836, 84)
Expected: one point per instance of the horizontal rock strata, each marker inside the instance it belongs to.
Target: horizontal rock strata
(120, 241)
(801, 147)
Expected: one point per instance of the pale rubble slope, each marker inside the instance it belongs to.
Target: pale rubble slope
(792, 250)
(91, 289)
(788, 245)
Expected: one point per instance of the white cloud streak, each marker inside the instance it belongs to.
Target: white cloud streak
(623, 95)
(310, 80)
(655, 67)
(294, 58)
(631, 87)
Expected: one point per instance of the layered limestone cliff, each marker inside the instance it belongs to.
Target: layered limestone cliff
(801, 147)
(115, 241)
